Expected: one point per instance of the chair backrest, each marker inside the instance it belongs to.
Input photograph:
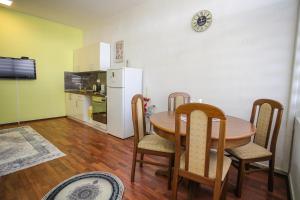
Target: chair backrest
(198, 139)
(138, 117)
(176, 99)
(264, 119)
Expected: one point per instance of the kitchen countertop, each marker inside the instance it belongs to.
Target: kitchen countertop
(86, 93)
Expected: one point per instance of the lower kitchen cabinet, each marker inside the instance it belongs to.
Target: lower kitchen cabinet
(77, 106)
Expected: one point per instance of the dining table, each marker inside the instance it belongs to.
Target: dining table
(238, 131)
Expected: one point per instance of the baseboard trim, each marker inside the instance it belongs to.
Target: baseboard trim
(34, 120)
(88, 124)
(276, 170)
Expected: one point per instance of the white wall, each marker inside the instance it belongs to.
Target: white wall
(294, 175)
(246, 53)
(294, 121)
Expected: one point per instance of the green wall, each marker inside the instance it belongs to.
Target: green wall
(51, 45)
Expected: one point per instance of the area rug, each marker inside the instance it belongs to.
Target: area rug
(23, 147)
(88, 186)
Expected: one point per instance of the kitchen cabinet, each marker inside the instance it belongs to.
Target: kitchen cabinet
(93, 57)
(77, 106)
(68, 104)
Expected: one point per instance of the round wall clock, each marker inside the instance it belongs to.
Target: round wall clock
(201, 20)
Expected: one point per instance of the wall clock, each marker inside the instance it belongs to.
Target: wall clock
(201, 20)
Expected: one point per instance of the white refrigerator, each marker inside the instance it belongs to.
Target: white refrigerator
(122, 85)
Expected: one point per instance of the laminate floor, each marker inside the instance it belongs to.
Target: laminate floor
(87, 149)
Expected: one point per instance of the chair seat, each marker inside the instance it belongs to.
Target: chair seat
(212, 165)
(156, 143)
(249, 151)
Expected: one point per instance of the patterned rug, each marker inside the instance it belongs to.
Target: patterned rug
(88, 186)
(23, 147)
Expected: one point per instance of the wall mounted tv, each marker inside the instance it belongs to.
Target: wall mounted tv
(17, 68)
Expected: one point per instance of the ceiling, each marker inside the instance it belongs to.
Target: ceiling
(82, 14)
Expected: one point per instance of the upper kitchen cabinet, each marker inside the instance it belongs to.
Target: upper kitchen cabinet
(93, 57)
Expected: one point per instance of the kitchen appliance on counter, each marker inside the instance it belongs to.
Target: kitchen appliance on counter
(99, 111)
(122, 85)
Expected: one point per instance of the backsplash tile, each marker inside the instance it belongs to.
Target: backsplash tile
(83, 80)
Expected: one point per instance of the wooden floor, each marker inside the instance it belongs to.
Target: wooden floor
(87, 150)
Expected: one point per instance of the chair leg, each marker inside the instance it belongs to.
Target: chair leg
(217, 192)
(171, 163)
(142, 158)
(133, 164)
(240, 179)
(175, 184)
(271, 175)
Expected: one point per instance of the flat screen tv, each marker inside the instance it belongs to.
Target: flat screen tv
(17, 68)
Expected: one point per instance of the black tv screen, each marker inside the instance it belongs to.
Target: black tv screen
(17, 68)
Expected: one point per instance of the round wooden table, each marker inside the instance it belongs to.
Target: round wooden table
(238, 131)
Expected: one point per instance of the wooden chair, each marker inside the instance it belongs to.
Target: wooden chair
(176, 99)
(257, 150)
(198, 162)
(151, 144)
